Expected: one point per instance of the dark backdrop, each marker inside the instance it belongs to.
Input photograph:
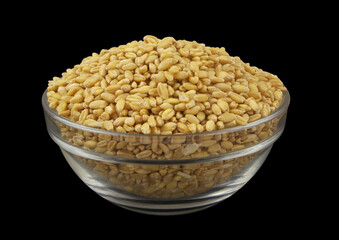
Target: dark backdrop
(51, 43)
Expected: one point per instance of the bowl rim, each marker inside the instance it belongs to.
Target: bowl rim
(277, 112)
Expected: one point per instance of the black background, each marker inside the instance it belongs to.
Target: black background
(276, 198)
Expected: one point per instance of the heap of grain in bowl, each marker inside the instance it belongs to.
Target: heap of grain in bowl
(164, 86)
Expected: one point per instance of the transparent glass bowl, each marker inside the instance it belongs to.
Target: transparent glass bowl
(166, 174)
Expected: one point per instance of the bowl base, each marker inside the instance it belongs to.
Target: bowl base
(167, 207)
(165, 212)
(153, 206)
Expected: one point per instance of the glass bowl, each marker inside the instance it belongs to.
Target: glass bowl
(166, 174)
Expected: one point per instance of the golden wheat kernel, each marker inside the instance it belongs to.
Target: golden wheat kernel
(220, 125)
(160, 121)
(93, 123)
(192, 127)
(262, 86)
(228, 145)
(145, 104)
(144, 154)
(166, 64)
(134, 98)
(130, 121)
(108, 125)
(172, 101)
(109, 97)
(162, 90)
(245, 107)
(212, 117)
(189, 86)
(216, 109)
(97, 104)
(278, 94)
(202, 74)
(159, 77)
(255, 95)
(77, 99)
(191, 94)
(166, 54)
(59, 82)
(194, 110)
(129, 75)
(169, 77)
(145, 128)
(174, 69)
(120, 105)
(83, 116)
(153, 102)
(200, 97)
(97, 112)
(137, 128)
(224, 75)
(224, 87)
(182, 127)
(219, 94)
(179, 115)
(240, 88)
(240, 120)
(66, 98)
(124, 81)
(237, 147)
(210, 125)
(194, 66)
(112, 64)
(236, 97)
(151, 59)
(237, 111)
(214, 148)
(180, 107)
(143, 89)
(89, 82)
(104, 116)
(252, 87)
(90, 144)
(82, 77)
(204, 82)
(192, 119)
(265, 111)
(166, 105)
(53, 103)
(168, 114)
(190, 104)
(193, 79)
(169, 126)
(183, 97)
(226, 117)
(201, 116)
(200, 128)
(254, 117)
(275, 82)
(144, 118)
(215, 79)
(65, 113)
(143, 112)
(143, 70)
(170, 90)
(223, 105)
(151, 121)
(253, 105)
(159, 100)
